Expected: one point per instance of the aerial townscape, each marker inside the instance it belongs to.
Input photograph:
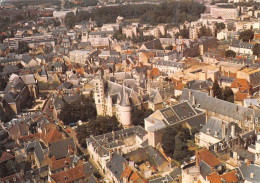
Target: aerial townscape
(129, 91)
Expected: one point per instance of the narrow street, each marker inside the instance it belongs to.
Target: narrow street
(73, 134)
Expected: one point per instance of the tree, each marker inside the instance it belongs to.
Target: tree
(217, 91)
(246, 35)
(139, 115)
(22, 47)
(256, 49)
(205, 31)
(230, 53)
(169, 139)
(184, 33)
(70, 20)
(98, 126)
(219, 26)
(83, 109)
(181, 147)
(228, 94)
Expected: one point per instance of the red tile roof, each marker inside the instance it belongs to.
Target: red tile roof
(52, 134)
(69, 175)
(238, 83)
(229, 177)
(208, 158)
(5, 157)
(241, 96)
(61, 163)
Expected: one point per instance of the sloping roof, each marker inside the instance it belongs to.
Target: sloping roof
(208, 158)
(250, 172)
(61, 163)
(5, 157)
(28, 79)
(59, 149)
(216, 105)
(153, 45)
(70, 175)
(229, 177)
(117, 165)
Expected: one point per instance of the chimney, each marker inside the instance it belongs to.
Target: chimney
(223, 129)
(233, 129)
(197, 158)
(193, 100)
(53, 158)
(248, 162)
(207, 117)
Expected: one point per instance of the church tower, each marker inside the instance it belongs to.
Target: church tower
(125, 109)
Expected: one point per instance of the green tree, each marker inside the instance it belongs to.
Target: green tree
(205, 31)
(246, 35)
(83, 109)
(22, 47)
(181, 147)
(230, 53)
(140, 115)
(98, 126)
(169, 139)
(228, 94)
(217, 91)
(70, 20)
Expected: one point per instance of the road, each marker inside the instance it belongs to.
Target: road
(73, 134)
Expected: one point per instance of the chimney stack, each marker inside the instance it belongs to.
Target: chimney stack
(197, 158)
(223, 130)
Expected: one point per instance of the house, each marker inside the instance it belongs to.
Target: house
(62, 148)
(207, 43)
(28, 61)
(249, 172)
(241, 47)
(244, 117)
(152, 45)
(115, 167)
(199, 171)
(168, 67)
(80, 173)
(182, 113)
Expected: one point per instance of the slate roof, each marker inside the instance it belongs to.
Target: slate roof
(241, 44)
(244, 154)
(247, 171)
(214, 128)
(116, 165)
(59, 149)
(216, 105)
(157, 158)
(28, 79)
(153, 45)
(10, 69)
